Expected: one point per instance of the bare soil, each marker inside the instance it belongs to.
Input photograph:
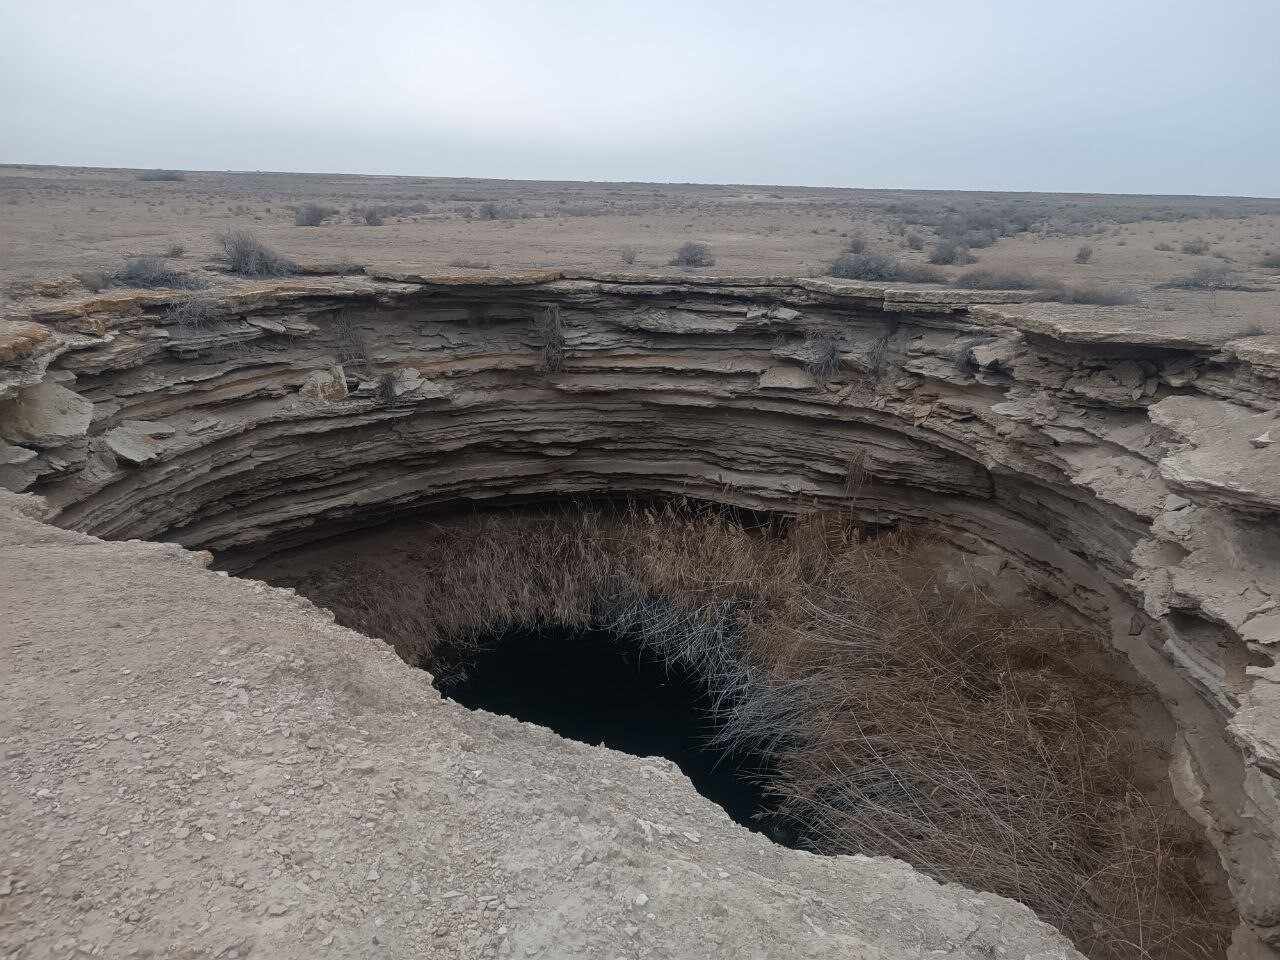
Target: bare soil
(57, 221)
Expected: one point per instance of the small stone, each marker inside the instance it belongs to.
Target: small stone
(1175, 502)
(373, 874)
(1263, 440)
(642, 900)
(277, 909)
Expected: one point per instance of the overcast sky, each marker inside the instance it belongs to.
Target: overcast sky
(1143, 96)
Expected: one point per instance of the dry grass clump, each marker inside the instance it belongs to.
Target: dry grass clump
(878, 267)
(198, 312)
(248, 256)
(693, 254)
(824, 359)
(146, 273)
(899, 713)
(313, 214)
(949, 252)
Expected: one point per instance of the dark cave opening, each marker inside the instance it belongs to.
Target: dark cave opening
(596, 686)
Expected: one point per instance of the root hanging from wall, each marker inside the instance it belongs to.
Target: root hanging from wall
(889, 706)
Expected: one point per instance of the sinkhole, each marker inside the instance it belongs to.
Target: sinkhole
(598, 687)
(838, 689)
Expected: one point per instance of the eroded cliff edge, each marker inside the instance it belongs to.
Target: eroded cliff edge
(1128, 472)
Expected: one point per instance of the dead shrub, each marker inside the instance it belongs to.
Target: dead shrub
(823, 357)
(949, 252)
(312, 214)
(1084, 254)
(200, 312)
(248, 256)
(878, 267)
(1197, 247)
(693, 254)
(149, 273)
(549, 328)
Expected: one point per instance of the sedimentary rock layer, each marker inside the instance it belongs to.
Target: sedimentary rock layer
(1132, 476)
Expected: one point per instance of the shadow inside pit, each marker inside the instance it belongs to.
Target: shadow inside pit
(597, 688)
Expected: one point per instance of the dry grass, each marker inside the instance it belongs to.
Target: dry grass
(901, 714)
(248, 256)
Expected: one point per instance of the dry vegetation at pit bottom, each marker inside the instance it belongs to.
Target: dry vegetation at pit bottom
(902, 713)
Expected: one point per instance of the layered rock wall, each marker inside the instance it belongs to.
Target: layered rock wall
(1131, 475)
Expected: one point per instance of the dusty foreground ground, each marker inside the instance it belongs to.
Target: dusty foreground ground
(200, 766)
(56, 222)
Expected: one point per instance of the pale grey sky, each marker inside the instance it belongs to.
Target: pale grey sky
(1143, 96)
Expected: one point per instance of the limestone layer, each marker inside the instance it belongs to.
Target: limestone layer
(1131, 475)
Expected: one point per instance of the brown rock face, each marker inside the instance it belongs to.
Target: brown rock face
(1120, 472)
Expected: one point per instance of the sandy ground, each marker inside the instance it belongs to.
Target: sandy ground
(55, 222)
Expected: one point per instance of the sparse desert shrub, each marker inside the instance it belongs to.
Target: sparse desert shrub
(824, 358)
(1084, 254)
(883, 268)
(312, 214)
(176, 251)
(628, 255)
(693, 254)
(151, 272)
(1164, 246)
(152, 176)
(915, 241)
(373, 217)
(856, 244)
(1197, 246)
(470, 263)
(352, 344)
(199, 312)
(496, 211)
(248, 256)
(1270, 261)
(949, 252)
(1215, 277)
